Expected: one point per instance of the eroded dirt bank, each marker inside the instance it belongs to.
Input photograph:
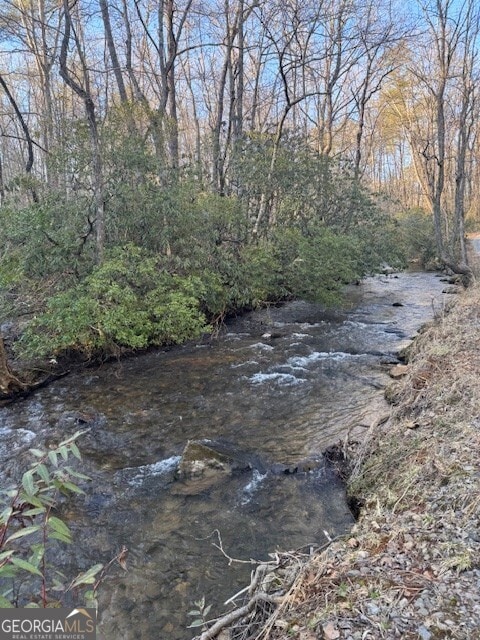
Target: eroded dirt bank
(410, 567)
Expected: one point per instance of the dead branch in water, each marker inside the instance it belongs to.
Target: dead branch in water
(272, 583)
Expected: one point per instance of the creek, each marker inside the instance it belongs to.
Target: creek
(275, 401)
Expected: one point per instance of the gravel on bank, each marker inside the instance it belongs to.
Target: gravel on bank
(410, 568)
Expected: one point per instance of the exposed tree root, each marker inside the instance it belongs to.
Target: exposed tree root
(12, 387)
(9, 383)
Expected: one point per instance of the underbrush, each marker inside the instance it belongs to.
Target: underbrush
(138, 298)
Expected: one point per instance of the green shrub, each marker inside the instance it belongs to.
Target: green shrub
(317, 266)
(31, 527)
(45, 239)
(417, 236)
(129, 302)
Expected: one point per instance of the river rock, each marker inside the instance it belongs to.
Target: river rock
(399, 371)
(200, 459)
(389, 359)
(272, 335)
(303, 466)
(392, 393)
(451, 290)
(387, 270)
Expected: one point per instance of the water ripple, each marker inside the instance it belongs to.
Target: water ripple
(159, 468)
(284, 379)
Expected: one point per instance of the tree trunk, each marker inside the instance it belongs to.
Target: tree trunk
(238, 113)
(135, 86)
(2, 183)
(26, 131)
(37, 22)
(112, 50)
(85, 95)
(439, 183)
(172, 125)
(218, 177)
(465, 127)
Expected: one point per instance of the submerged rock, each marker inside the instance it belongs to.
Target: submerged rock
(303, 466)
(452, 290)
(200, 459)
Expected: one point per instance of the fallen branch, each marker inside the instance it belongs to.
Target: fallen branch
(237, 614)
(219, 546)
(257, 576)
(9, 383)
(257, 582)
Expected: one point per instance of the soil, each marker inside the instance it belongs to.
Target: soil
(410, 567)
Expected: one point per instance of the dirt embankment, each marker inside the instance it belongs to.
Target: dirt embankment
(411, 567)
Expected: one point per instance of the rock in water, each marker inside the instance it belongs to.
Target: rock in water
(199, 459)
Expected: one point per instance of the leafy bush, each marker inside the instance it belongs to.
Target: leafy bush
(31, 527)
(200, 257)
(130, 301)
(243, 279)
(417, 236)
(316, 266)
(44, 239)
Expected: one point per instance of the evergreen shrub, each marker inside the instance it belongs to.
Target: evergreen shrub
(129, 302)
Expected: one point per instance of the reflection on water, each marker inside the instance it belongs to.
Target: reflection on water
(276, 400)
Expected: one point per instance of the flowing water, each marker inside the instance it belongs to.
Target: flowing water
(274, 401)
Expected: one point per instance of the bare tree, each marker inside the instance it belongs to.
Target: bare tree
(26, 131)
(219, 153)
(171, 19)
(468, 113)
(84, 92)
(104, 7)
(378, 34)
(450, 40)
(35, 26)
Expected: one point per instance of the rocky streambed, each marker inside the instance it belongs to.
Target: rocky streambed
(272, 393)
(409, 567)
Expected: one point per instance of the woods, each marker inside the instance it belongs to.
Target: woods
(261, 150)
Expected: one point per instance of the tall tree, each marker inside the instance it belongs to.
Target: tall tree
(112, 49)
(467, 79)
(171, 20)
(26, 132)
(84, 92)
(450, 31)
(34, 24)
(379, 34)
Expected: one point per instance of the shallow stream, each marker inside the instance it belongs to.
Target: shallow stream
(273, 400)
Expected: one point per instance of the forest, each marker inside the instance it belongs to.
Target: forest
(165, 163)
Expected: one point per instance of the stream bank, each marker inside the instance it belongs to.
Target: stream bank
(410, 566)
